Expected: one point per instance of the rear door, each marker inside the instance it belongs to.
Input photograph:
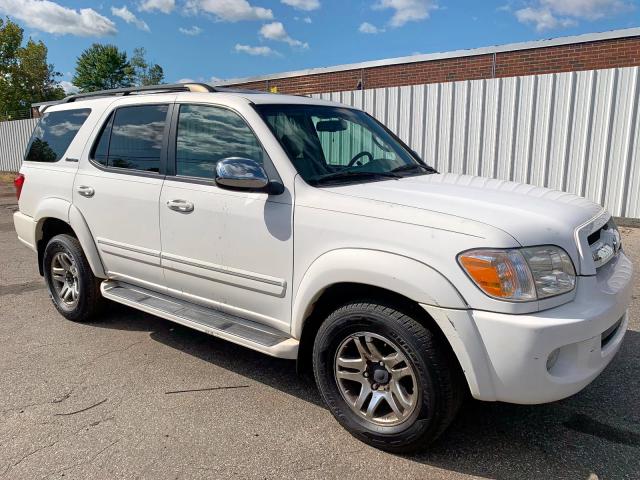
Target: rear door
(118, 186)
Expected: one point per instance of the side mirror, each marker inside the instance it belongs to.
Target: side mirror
(238, 173)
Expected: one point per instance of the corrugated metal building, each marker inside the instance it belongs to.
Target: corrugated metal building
(14, 137)
(577, 132)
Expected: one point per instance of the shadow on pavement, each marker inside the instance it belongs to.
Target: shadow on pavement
(596, 431)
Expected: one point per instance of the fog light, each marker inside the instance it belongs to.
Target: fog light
(553, 358)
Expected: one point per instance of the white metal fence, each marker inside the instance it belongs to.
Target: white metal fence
(577, 131)
(14, 137)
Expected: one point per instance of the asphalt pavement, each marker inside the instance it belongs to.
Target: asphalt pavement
(135, 396)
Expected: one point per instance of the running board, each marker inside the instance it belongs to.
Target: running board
(238, 330)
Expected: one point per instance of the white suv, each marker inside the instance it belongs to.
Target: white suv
(306, 230)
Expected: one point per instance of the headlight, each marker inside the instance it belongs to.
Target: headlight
(552, 270)
(521, 274)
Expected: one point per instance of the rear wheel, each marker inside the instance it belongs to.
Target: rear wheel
(386, 377)
(73, 288)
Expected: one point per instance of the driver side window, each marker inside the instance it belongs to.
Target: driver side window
(341, 146)
(207, 134)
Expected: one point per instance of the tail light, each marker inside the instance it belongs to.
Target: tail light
(18, 182)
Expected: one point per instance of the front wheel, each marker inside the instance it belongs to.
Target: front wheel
(386, 377)
(73, 288)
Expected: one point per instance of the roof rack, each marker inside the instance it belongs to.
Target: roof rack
(172, 87)
(148, 89)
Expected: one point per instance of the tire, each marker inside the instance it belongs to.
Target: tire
(427, 395)
(74, 290)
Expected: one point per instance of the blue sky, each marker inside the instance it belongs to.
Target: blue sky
(205, 39)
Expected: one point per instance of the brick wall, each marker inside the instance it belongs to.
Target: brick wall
(622, 52)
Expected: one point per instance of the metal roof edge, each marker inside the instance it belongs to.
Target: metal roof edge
(510, 47)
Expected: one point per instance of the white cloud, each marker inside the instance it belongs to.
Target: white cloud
(256, 51)
(303, 4)
(275, 31)
(185, 80)
(367, 27)
(68, 87)
(229, 10)
(306, 19)
(192, 31)
(164, 6)
(125, 14)
(587, 9)
(406, 10)
(50, 17)
(542, 19)
(553, 14)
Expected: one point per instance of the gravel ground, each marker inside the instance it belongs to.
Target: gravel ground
(135, 396)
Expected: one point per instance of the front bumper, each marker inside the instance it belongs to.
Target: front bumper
(507, 357)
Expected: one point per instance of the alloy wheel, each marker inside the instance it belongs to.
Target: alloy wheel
(65, 278)
(376, 379)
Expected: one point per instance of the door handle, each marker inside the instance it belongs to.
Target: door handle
(86, 191)
(180, 206)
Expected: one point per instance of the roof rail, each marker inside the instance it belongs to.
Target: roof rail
(147, 89)
(171, 87)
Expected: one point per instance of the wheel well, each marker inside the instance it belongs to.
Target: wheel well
(50, 228)
(337, 295)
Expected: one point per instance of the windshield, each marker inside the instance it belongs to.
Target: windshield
(332, 144)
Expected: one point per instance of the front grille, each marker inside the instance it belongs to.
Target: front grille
(595, 236)
(604, 243)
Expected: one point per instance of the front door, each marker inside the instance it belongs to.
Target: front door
(230, 250)
(117, 189)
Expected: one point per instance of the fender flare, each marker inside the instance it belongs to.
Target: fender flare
(79, 225)
(63, 210)
(397, 273)
(50, 207)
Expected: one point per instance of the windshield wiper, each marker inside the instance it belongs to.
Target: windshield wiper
(413, 166)
(351, 174)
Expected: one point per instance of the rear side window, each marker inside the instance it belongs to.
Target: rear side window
(132, 138)
(54, 133)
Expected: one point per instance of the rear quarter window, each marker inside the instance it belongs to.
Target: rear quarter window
(54, 133)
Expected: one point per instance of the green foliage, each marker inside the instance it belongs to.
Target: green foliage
(142, 73)
(102, 67)
(25, 75)
(42, 151)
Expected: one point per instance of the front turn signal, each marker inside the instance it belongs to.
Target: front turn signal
(502, 274)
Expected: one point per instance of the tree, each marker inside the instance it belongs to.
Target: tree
(141, 72)
(42, 151)
(102, 67)
(25, 75)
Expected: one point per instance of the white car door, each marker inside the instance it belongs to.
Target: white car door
(230, 250)
(118, 186)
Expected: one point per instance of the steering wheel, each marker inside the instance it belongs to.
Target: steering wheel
(358, 157)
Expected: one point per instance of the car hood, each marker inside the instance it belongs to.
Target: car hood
(532, 215)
